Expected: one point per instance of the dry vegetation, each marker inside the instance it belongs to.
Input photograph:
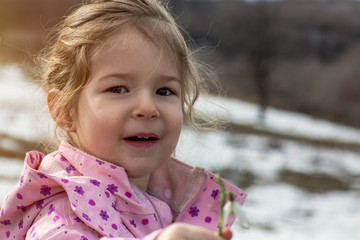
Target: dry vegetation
(297, 55)
(19, 146)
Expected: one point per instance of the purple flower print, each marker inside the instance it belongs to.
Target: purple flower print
(32, 158)
(145, 221)
(215, 193)
(100, 228)
(41, 175)
(19, 196)
(85, 216)
(112, 188)
(70, 169)
(78, 220)
(64, 180)
(23, 208)
(95, 182)
(20, 225)
(208, 219)
(51, 209)
(39, 204)
(56, 218)
(79, 190)
(100, 162)
(194, 211)
(5, 222)
(114, 207)
(45, 190)
(83, 238)
(132, 222)
(40, 157)
(107, 194)
(103, 214)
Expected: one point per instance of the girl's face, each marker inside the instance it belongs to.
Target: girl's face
(130, 112)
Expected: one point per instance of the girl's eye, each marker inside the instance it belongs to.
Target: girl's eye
(164, 92)
(118, 89)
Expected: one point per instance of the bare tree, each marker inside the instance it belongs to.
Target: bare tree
(259, 38)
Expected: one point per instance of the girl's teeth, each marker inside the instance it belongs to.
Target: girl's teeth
(140, 138)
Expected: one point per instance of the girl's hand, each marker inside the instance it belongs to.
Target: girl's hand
(183, 231)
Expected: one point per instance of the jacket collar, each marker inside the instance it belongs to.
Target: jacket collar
(174, 182)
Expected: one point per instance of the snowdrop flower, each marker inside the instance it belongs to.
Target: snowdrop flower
(232, 208)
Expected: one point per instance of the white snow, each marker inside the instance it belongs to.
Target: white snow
(275, 210)
(22, 105)
(277, 120)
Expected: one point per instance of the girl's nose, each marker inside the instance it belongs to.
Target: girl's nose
(145, 108)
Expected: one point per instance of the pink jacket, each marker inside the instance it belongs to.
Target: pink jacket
(73, 195)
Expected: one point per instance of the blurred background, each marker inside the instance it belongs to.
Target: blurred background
(290, 76)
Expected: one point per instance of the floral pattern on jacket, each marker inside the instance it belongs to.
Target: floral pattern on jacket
(69, 194)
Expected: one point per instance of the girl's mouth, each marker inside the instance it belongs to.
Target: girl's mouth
(142, 140)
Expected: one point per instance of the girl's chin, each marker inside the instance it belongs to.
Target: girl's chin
(141, 182)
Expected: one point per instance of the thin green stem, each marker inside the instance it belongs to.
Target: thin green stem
(222, 204)
(231, 196)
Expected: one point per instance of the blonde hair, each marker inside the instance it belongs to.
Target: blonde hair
(66, 62)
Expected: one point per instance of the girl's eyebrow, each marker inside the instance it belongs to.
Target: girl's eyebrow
(169, 78)
(115, 75)
(163, 77)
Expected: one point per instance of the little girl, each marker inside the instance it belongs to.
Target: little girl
(120, 82)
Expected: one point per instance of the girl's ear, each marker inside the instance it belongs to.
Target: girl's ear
(59, 114)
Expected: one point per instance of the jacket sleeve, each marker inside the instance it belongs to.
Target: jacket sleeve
(75, 232)
(151, 236)
(78, 231)
(56, 221)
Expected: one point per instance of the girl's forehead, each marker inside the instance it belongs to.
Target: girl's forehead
(125, 51)
(131, 39)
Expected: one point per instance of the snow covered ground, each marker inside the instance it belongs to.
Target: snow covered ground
(276, 209)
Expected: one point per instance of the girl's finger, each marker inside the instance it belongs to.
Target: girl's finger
(200, 233)
(227, 234)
